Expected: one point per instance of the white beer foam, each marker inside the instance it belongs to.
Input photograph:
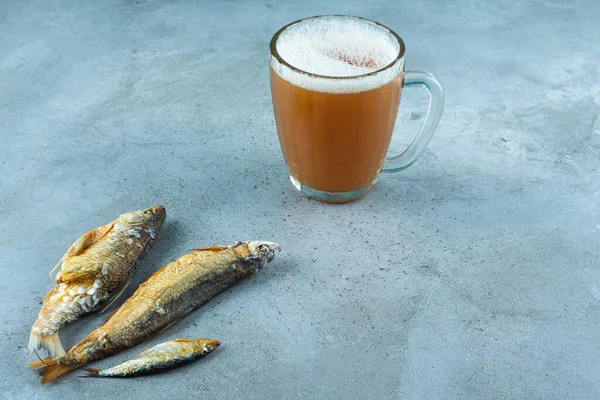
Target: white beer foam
(337, 47)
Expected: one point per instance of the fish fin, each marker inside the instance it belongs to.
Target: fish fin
(50, 343)
(114, 297)
(91, 373)
(88, 239)
(36, 365)
(212, 248)
(155, 273)
(50, 369)
(58, 264)
(47, 297)
(181, 340)
(84, 242)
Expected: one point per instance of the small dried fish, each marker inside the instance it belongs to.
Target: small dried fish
(171, 354)
(164, 298)
(94, 272)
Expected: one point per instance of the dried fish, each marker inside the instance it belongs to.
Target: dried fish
(171, 354)
(94, 272)
(162, 300)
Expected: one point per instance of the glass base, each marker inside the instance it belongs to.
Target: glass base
(331, 197)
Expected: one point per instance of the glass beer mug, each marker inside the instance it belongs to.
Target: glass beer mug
(336, 83)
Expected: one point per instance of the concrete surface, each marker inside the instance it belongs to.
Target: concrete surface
(472, 275)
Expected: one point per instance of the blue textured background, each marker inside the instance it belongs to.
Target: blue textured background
(474, 274)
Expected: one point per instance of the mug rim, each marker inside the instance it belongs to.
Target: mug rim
(275, 53)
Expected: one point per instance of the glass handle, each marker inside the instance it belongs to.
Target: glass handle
(434, 113)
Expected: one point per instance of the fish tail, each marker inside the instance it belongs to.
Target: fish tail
(49, 342)
(50, 369)
(91, 373)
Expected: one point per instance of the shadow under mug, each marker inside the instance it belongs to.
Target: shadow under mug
(335, 131)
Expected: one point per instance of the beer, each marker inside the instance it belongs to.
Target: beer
(336, 85)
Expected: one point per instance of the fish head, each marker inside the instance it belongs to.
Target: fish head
(263, 252)
(151, 218)
(206, 345)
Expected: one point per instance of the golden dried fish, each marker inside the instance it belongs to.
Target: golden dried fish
(171, 354)
(164, 298)
(94, 272)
